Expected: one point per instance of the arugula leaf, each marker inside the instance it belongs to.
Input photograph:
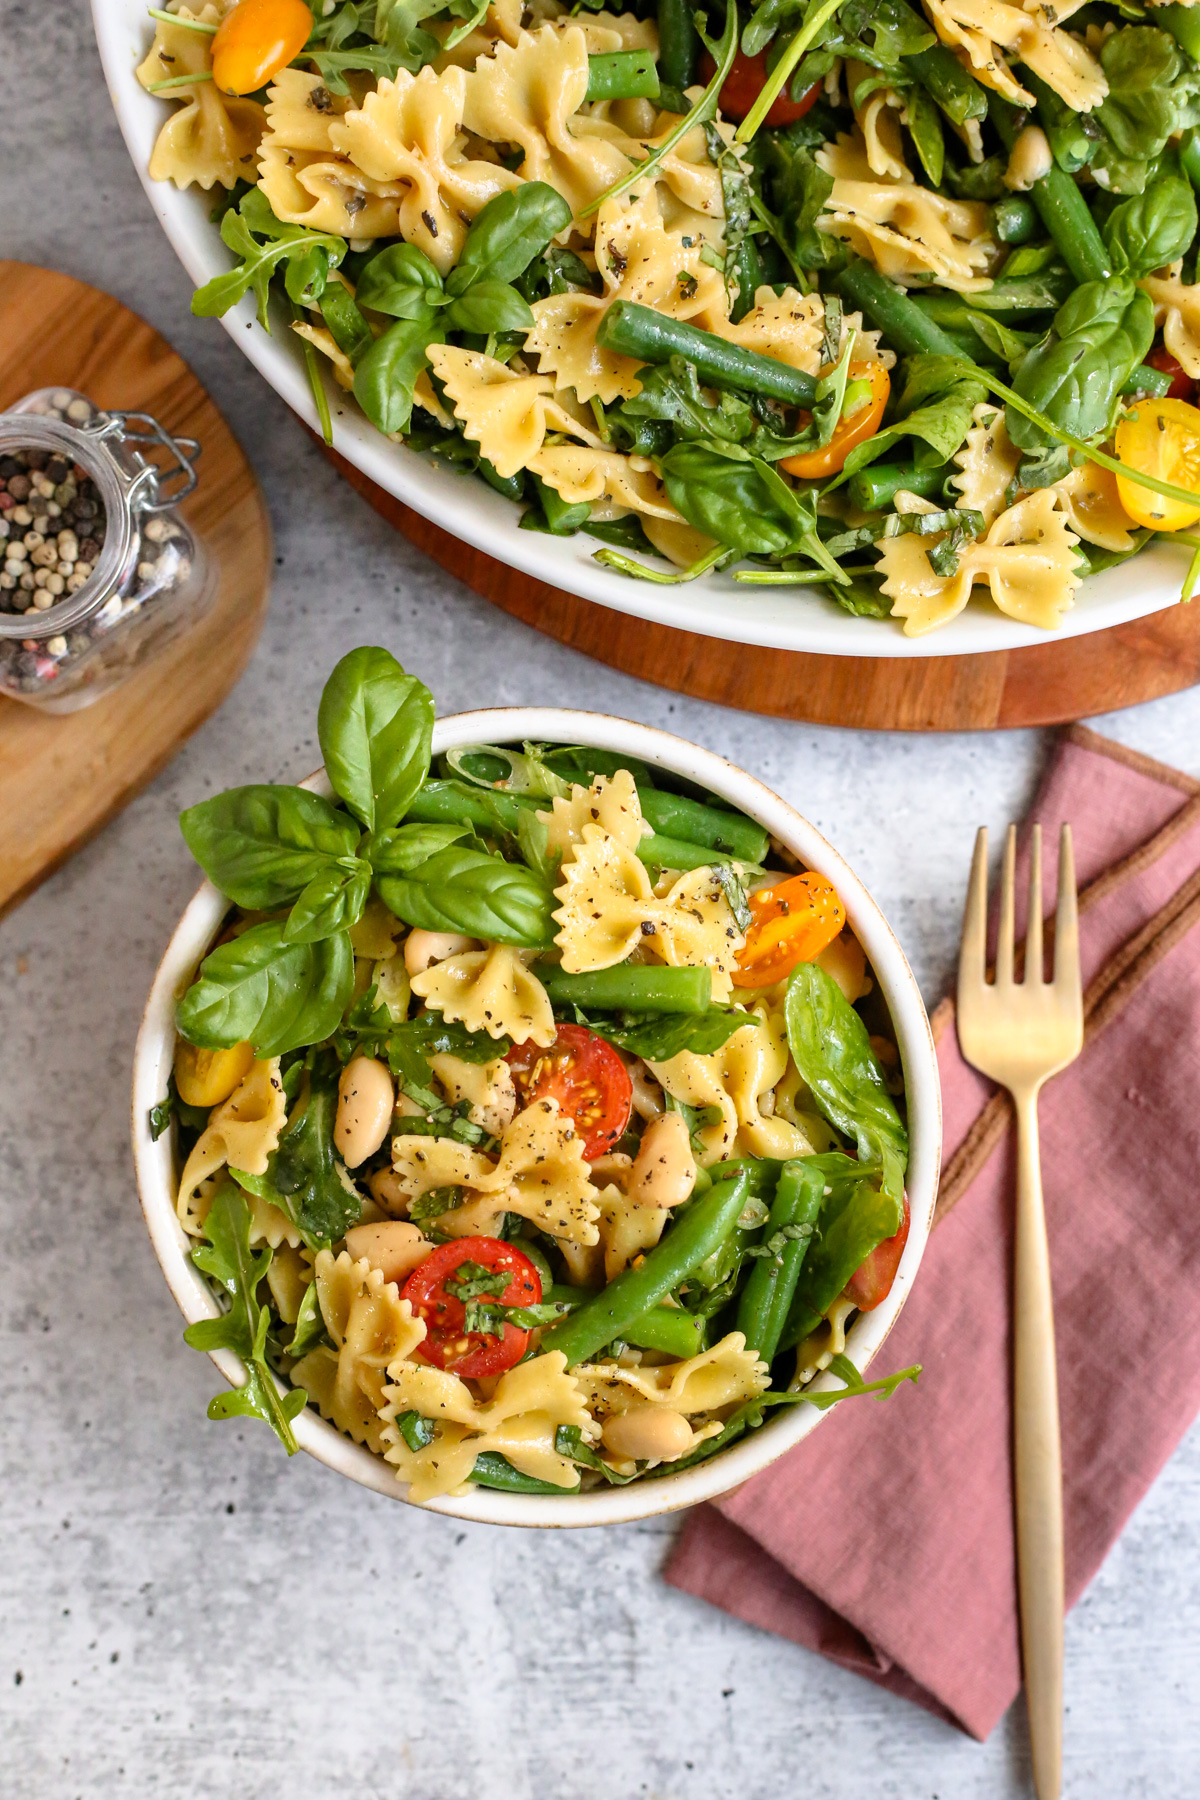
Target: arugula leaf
(657, 1037)
(569, 1441)
(261, 989)
(940, 395)
(306, 1172)
(228, 1259)
(241, 232)
(261, 845)
(375, 726)
(473, 892)
(832, 1051)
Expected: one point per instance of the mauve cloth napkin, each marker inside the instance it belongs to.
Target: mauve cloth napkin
(885, 1540)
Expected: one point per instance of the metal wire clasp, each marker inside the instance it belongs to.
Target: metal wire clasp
(157, 487)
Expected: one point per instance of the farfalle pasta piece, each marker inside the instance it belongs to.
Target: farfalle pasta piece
(985, 27)
(487, 1088)
(790, 327)
(506, 413)
(321, 338)
(241, 1133)
(987, 462)
(212, 140)
(696, 929)
(878, 118)
(611, 802)
(289, 1277)
(610, 483)
(1091, 502)
(723, 1376)
(530, 1403)
(540, 1174)
(305, 176)
(740, 1079)
(526, 94)
(907, 231)
(489, 990)
(1177, 311)
(372, 1328)
(640, 260)
(1027, 559)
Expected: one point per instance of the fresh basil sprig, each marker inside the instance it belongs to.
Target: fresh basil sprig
(228, 1259)
(262, 845)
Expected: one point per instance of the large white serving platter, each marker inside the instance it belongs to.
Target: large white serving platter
(717, 606)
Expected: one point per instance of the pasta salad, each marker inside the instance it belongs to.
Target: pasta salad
(892, 299)
(537, 1120)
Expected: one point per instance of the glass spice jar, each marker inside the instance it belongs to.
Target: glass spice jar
(98, 572)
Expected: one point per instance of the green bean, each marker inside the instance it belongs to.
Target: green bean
(874, 488)
(671, 853)
(649, 336)
(1145, 380)
(455, 803)
(763, 1173)
(943, 76)
(622, 75)
(1007, 299)
(495, 1471)
(1062, 206)
(1183, 26)
(1015, 220)
(693, 1237)
(1070, 145)
(511, 486)
(890, 310)
(631, 987)
(767, 1295)
(674, 815)
(666, 1328)
(678, 43)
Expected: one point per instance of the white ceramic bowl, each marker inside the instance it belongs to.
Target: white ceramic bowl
(717, 606)
(156, 1174)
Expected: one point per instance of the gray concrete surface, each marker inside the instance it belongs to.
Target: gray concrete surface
(183, 1613)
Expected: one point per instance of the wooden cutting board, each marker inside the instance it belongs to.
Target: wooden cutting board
(1048, 684)
(62, 778)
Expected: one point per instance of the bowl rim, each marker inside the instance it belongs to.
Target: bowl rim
(463, 505)
(728, 1469)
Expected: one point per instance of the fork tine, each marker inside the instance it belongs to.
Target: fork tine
(1008, 882)
(972, 956)
(1066, 924)
(1035, 970)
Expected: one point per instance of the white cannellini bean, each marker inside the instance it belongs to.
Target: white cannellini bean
(365, 1101)
(1029, 159)
(421, 948)
(395, 1247)
(386, 1189)
(648, 1434)
(664, 1171)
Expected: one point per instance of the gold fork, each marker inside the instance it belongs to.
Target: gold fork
(1020, 1034)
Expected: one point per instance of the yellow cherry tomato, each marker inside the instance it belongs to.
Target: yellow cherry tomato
(852, 428)
(794, 920)
(256, 40)
(1160, 437)
(206, 1077)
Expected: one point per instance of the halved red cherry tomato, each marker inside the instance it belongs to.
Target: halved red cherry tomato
(743, 84)
(851, 429)
(1182, 386)
(794, 920)
(447, 1345)
(587, 1078)
(871, 1282)
(257, 39)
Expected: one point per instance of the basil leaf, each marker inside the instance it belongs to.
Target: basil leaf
(1152, 229)
(309, 1329)
(475, 893)
(305, 1170)
(489, 306)
(856, 1215)
(832, 1051)
(726, 500)
(400, 281)
(228, 1260)
(671, 391)
(387, 373)
(375, 726)
(940, 395)
(402, 849)
(1099, 337)
(332, 901)
(509, 232)
(261, 845)
(261, 989)
(1150, 97)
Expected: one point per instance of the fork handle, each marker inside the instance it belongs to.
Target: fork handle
(1038, 1464)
